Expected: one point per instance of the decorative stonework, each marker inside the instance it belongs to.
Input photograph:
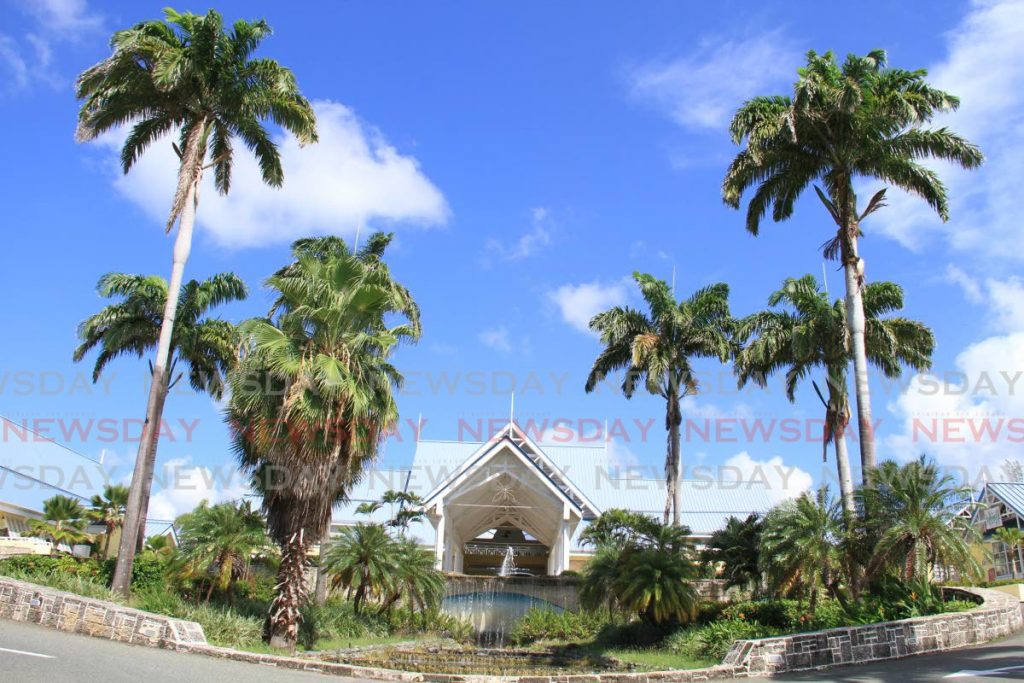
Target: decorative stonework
(20, 601)
(999, 615)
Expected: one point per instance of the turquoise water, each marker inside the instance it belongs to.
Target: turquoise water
(493, 613)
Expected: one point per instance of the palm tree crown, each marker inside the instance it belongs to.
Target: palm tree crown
(63, 521)
(187, 74)
(658, 349)
(108, 509)
(207, 346)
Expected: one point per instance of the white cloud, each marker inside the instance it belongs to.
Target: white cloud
(779, 480)
(496, 339)
(984, 66)
(703, 88)
(579, 303)
(185, 485)
(352, 179)
(528, 244)
(1003, 298)
(28, 59)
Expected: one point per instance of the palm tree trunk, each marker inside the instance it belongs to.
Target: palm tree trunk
(839, 414)
(320, 595)
(853, 271)
(147, 484)
(845, 479)
(282, 630)
(155, 406)
(672, 494)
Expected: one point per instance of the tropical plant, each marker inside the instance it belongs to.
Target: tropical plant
(312, 395)
(108, 510)
(736, 548)
(917, 522)
(203, 345)
(216, 544)
(810, 333)
(860, 120)
(801, 546)
(161, 545)
(642, 567)
(404, 509)
(187, 74)
(1013, 540)
(63, 521)
(658, 350)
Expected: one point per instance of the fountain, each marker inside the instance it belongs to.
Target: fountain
(508, 565)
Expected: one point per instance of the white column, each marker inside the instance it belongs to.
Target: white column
(439, 540)
(459, 559)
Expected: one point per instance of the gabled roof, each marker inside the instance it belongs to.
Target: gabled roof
(1010, 493)
(515, 440)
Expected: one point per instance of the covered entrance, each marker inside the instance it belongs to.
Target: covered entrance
(507, 511)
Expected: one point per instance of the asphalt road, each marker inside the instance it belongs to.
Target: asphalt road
(33, 654)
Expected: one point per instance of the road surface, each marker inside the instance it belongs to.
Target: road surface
(33, 654)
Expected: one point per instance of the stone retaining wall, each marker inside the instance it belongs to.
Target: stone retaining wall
(998, 616)
(20, 601)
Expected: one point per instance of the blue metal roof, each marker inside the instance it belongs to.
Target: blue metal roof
(1012, 495)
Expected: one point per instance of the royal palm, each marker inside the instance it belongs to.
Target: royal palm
(314, 393)
(205, 347)
(187, 75)
(804, 332)
(861, 120)
(657, 350)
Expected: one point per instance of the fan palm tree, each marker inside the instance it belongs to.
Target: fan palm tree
(216, 544)
(1013, 539)
(801, 546)
(917, 522)
(205, 346)
(189, 75)
(658, 350)
(812, 335)
(737, 547)
(108, 510)
(313, 394)
(63, 521)
(860, 120)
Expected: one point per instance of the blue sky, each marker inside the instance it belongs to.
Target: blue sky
(530, 157)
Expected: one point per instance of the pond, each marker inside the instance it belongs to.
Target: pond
(493, 613)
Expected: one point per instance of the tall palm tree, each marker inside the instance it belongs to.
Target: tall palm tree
(800, 546)
(216, 544)
(860, 120)
(63, 521)
(205, 346)
(658, 349)
(917, 521)
(108, 510)
(313, 394)
(189, 75)
(812, 334)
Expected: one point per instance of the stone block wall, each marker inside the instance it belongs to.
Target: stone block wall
(998, 616)
(20, 601)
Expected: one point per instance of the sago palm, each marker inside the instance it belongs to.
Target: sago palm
(916, 521)
(203, 346)
(658, 350)
(658, 586)
(108, 509)
(364, 561)
(736, 548)
(188, 75)
(801, 546)
(861, 120)
(804, 332)
(216, 544)
(63, 521)
(313, 395)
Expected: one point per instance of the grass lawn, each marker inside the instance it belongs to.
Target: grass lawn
(656, 660)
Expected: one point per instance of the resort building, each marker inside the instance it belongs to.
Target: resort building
(1000, 504)
(514, 498)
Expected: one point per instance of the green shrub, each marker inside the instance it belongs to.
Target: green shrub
(712, 641)
(547, 624)
(633, 634)
(336, 620)
(49, 565)
(226, 628)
